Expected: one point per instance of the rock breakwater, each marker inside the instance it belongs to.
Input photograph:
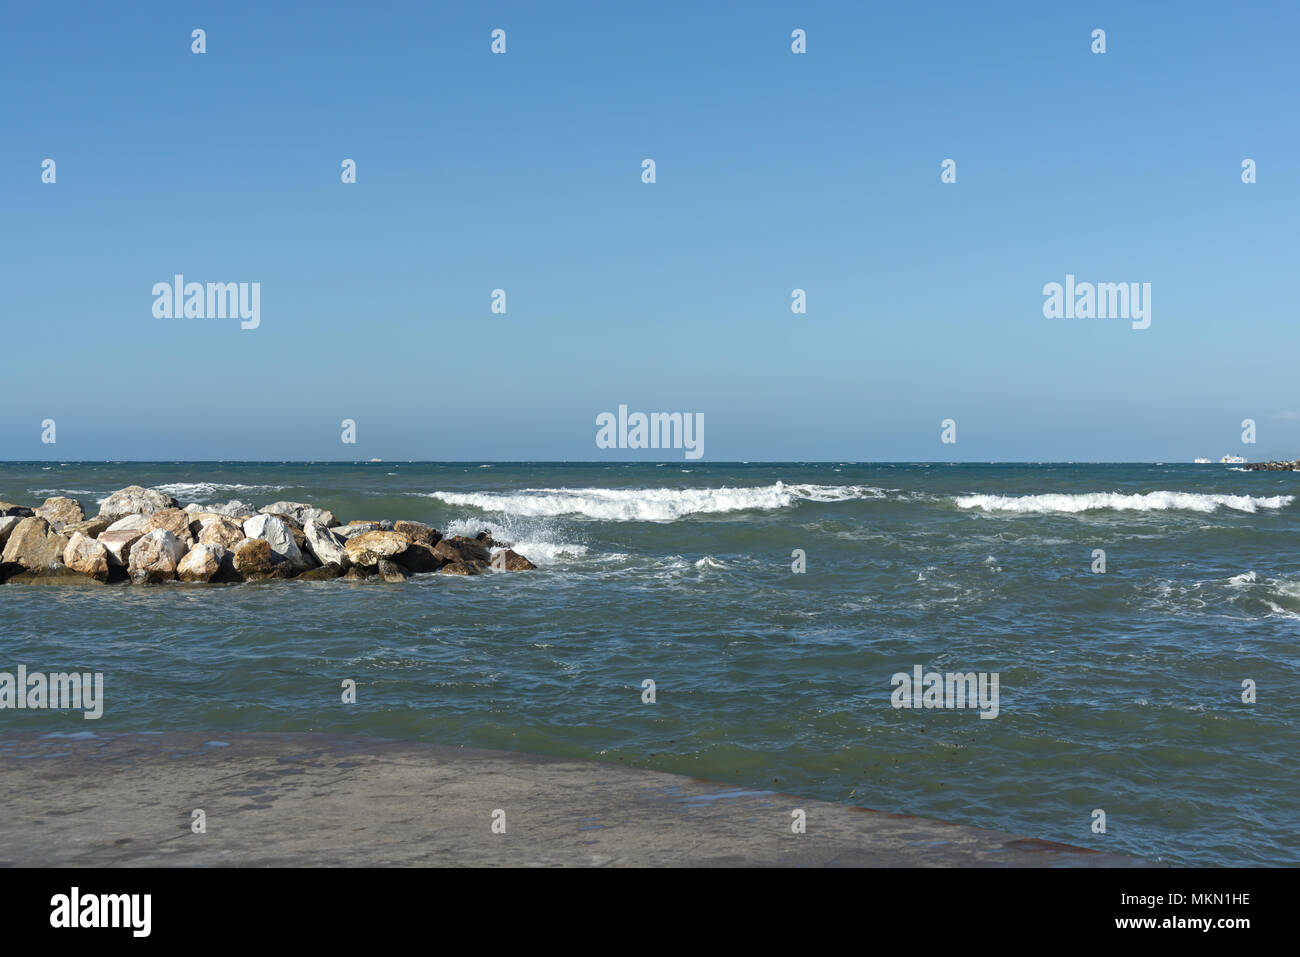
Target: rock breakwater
(143, 536)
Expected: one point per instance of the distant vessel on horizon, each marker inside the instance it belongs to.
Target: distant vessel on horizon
(1200, 461)
(1233, 460)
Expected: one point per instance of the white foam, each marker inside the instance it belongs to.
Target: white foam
(196, 491)
(532, 543)
(1137, 502)
(652, 504)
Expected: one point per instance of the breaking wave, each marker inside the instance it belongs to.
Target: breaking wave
(1117, 501)
(652, 504)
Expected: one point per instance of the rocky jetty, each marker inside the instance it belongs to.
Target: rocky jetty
(144, 536)
(1274, 466)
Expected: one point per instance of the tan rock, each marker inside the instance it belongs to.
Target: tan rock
(32, 544)
(226, 532)
(174, 520)
(60, 511)
(87, 557)
(202, 563)
(154, 556)
(368, 547)
(91, 527)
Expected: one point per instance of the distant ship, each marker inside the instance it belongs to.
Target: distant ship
(1200, 461)
(1232, 460)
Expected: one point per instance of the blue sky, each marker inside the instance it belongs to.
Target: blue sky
(775, 171)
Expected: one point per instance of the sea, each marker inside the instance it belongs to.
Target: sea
(749, 623)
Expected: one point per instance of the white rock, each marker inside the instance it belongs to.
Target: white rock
(135, 500)
(326, 545)
(132, 523)
(302, 514)
(119, 544)
(235, 509)
(347, 531)
(280, 537)
(7, 524)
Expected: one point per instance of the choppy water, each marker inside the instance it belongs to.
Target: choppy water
(1119, 691)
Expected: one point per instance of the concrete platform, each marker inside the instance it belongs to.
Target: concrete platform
(275, 800)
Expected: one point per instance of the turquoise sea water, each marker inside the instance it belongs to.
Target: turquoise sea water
(1119, 691)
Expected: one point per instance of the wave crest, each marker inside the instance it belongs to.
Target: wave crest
(1118, 501)
(652, 504)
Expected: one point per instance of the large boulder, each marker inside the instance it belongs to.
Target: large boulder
(462, 549)
(61, 512)
(419, 558)
(326, 546)
(87, 557)
(355, 528)
(118, 545)
(390, 571)
(134, 500)
(155, 556)
(254, 561)
(226, 532)
(9, 509)
(234, 509)
(280, 537)
(33, 544)
(508, 560)
(368, 547)
(174, 520)
(91, 527)
(201, 518)
(418, 533)
(202, 563)
(301, 513)
(460, 568)
(135, 522)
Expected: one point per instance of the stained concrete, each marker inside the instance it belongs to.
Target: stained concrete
(315, 799)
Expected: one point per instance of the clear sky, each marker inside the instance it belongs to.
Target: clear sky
(775, 171)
